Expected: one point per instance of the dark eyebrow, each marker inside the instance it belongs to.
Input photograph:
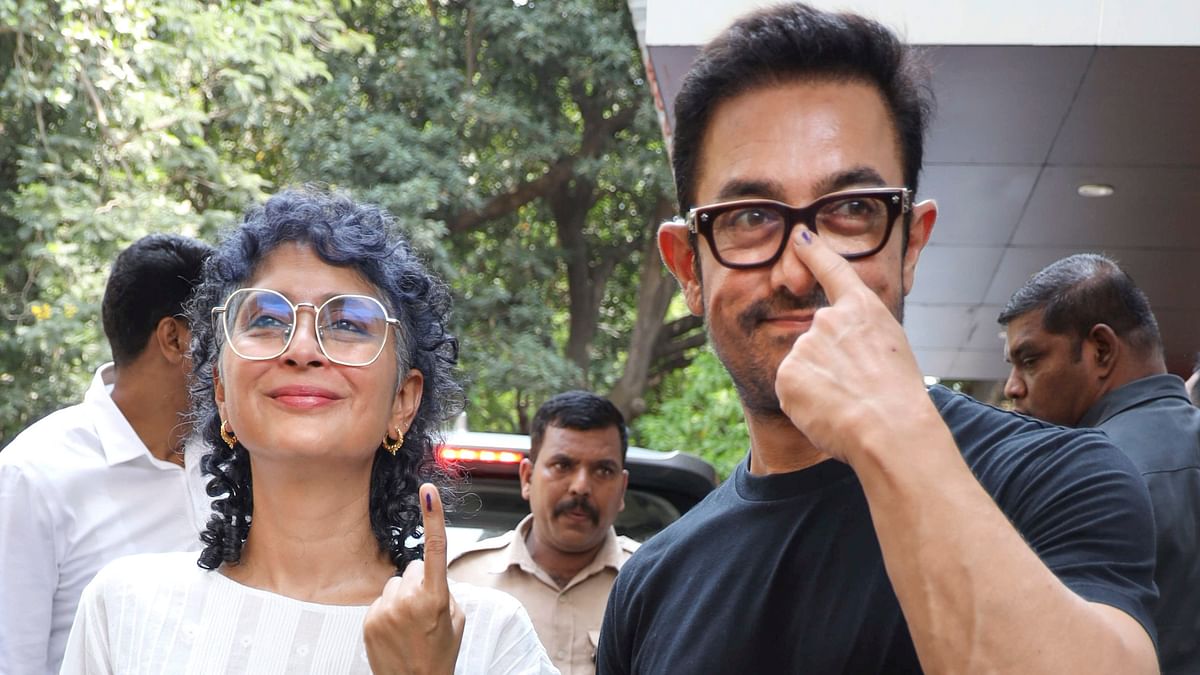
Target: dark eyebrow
(855, 177)
(1023, 349)
(740, 189)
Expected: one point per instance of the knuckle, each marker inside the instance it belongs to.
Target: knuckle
(435, 543)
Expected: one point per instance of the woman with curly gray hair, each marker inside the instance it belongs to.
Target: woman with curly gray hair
(322, 370)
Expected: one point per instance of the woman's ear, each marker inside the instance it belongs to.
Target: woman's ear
(218, 388)
(408, 400)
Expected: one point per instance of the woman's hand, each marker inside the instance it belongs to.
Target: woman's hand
(415, 627)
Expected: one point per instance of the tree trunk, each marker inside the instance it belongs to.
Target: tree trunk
(570, 206)
(656, 287)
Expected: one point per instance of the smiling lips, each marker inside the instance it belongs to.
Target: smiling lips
(805, 318)
(300, 396)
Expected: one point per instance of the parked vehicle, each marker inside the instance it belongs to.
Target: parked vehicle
(662, 486)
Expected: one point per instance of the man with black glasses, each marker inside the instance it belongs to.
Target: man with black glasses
(108, 477)
(875, 527)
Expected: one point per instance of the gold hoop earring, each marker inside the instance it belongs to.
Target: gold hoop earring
(392, 446)
(227, 435)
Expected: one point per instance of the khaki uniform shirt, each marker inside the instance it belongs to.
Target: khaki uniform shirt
(567, 620)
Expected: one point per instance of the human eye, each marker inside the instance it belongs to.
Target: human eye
(852, 215)
(752, 218)
(264, 319)
(350, 318)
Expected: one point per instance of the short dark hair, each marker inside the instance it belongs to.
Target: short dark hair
(361, 237)
(1083, 290)
(150, 280)
(579, 410)
(795, 42)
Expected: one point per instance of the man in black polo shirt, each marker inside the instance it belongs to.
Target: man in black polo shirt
(1086, 352)
(875, 527)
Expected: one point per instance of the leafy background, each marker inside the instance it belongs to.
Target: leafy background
(515, 141)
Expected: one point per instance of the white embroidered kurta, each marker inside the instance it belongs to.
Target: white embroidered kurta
(160, 613)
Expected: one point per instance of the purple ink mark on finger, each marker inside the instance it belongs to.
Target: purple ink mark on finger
(806, 236)
(428, 502)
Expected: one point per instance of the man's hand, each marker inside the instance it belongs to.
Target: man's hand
(415, 627)
(852, 379)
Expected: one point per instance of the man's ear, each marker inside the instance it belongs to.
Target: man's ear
(624, 487)
(525, 470)
(920, 227)
(172, 336)
(1105, 348)
(680, 258)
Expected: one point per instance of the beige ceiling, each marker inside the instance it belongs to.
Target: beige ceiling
(1017, 130)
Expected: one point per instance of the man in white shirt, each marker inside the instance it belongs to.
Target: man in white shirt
(107, 477)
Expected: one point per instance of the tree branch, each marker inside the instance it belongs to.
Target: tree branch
(594, 138)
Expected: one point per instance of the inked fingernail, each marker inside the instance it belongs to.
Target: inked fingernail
(428, 502)
(806, 235)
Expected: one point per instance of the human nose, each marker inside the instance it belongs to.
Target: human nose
(304, 346)
(580, 481)
(1014, 388)
(789, 271)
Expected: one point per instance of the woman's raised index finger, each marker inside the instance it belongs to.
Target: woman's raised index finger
(434, 520)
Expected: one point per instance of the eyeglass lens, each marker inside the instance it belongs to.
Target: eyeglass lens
(351, 329)
(754, 233)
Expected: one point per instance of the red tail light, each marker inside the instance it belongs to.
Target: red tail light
(454, 454)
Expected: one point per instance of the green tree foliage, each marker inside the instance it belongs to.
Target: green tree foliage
(520, 136)
(697, 410)
(515, 141)
(119, 119)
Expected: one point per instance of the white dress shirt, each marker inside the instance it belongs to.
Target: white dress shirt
(160, 613)
(78, 488)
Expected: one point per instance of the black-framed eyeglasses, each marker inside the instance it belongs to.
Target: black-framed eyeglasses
(753, 232)
(259, 324)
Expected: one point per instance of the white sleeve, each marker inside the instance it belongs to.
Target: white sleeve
(518, 649)
(29, 576)
(87, 645)
(499, 638)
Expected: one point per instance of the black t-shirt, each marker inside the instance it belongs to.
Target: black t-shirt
(783, 573)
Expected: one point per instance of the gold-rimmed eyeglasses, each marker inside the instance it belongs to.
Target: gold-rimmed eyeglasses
(259, 324)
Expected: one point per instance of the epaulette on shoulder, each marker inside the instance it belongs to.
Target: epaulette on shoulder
(483, 545)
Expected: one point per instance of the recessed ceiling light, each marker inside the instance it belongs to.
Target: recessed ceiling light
(1095, 190)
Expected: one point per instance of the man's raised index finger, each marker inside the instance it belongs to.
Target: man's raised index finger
(435, 538)
(834, 273)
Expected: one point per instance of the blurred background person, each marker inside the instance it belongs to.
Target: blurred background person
(1086, 352)
(562, 559)
(323, 372)
(107, 477)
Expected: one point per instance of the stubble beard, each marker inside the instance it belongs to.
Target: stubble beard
(753, 377)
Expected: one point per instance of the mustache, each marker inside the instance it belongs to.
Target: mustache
(779, 302)
(581, 503)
